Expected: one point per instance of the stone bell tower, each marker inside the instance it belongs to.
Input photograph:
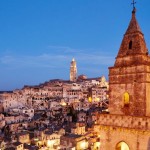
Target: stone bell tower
(129, 78)
(73, 71)
(127, 126)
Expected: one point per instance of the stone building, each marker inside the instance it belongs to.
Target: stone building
(73, 142)
(17, 146)
(127, 127)
(24, 137)
(40, 96)
(73, 71)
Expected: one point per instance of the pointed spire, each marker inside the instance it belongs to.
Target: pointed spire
(133, 25)
(133, 45)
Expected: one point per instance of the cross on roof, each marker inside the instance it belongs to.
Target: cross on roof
(133, 3)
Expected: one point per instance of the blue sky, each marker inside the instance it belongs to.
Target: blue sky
(39, 38)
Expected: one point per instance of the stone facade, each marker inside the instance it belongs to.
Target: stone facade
(73, 71)
(127, 127)
(111, 136)
(42, 96)
(142, 123)
(130, 74)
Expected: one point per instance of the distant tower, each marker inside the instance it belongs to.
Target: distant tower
(73, 70)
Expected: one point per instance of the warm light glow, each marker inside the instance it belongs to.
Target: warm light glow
(83, 145)
(50, 143)
(97, 145)
(122, 146)
(90, 99)
(106, 110)
(76, 100)
(36, 139)
(97, 99)
(63, 104)
(126, 98)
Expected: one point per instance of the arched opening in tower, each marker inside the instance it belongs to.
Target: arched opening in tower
(130, 45)
(126, 99)
(122, 146)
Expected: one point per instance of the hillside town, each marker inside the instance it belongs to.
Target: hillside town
(81, 112)
(55, 115)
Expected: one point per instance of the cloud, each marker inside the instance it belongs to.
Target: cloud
(96, 59)
(65, 49)
(7, 59)
(43, 60)
(59, 59)
(95, 56)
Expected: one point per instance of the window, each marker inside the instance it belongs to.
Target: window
(130, 45)
(122, 146)
(126, 99)
(139, 123)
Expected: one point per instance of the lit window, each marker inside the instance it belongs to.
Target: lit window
(90, 99)
(126, 99)
(122, 146)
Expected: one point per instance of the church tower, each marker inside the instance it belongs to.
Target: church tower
(127, 126)
(73, 71)
(129, 78)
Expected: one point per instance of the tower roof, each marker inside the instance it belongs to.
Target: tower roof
(133, 46)
(133, 25)
(73, 59)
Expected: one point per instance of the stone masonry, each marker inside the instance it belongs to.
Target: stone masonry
(129, 93)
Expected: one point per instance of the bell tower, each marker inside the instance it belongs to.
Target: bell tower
(73, 71)
(129, 78)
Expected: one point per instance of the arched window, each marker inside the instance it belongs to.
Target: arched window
(130, 45)
(126, 99)
(122, 146)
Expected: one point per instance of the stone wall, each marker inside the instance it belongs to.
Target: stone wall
(135, 80)
(110, 136)
(124, 121)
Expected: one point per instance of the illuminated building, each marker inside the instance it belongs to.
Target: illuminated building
(24, 137)
(17, 146)
(73, 71)
(127, 127)
(74, 142)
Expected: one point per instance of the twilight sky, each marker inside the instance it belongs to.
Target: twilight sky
(39, 38)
